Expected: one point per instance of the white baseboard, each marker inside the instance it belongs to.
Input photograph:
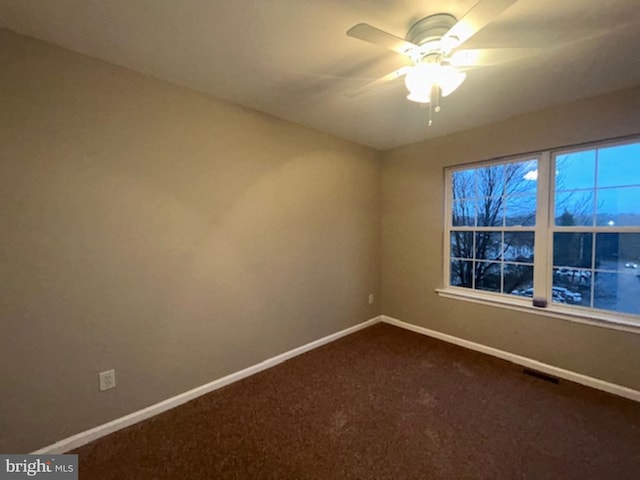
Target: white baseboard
(100, 431)
(88, 436)
(520, 360)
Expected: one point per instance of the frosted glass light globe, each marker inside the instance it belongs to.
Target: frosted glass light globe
(420, 80)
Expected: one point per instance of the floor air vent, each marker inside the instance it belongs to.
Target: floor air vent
(540, 375)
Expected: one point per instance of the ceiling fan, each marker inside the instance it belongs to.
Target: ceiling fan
(433, 46)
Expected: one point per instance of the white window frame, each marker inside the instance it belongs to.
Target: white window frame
(476, 228)
(544, 230)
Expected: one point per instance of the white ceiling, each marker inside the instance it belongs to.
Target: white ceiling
(292, 59)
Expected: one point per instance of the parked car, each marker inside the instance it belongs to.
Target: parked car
(524, 293)
(566, 295)
(573, 275)
(559, 295)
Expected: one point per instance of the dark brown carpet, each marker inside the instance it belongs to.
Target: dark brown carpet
(382, 403)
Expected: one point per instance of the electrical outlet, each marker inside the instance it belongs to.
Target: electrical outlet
(107, 380)
(371, 298)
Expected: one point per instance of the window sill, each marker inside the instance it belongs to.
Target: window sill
(593, 318)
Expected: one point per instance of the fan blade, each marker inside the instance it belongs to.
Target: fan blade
(475, 20)
(379, 81)
(483, 57)
(371, 34)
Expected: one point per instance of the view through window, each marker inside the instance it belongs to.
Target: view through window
(493, 215)
(596, 237)
(572, 214)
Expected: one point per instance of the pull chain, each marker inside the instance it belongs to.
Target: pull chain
(435, 99)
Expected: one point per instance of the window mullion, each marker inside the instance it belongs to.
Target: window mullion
(448, 205)
(542, 259)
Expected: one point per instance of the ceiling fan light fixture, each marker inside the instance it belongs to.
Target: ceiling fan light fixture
(420, 97)
(421, 79)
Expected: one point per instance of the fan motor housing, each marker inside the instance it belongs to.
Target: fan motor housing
(431, 28)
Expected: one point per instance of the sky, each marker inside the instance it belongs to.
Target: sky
(616, 170)
(617, 166)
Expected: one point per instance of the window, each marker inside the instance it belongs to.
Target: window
(493, 215)
(562, 225)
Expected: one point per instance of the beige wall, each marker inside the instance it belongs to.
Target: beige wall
(171, 236)
(412, 236)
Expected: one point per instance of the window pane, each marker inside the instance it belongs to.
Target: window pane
(576, 170)
(619, 206)
(520, 210)
(463, 213)
(571, 286)
(619, 292)
(521, 178)
(572, 249)
(518, 279)
(462, 244)
(619, 165)
(488, 245)
(574, 208)
(490, 211)
(518, 246)
(618, 251)
(488, 276)
(461, 274)
(463, 184)
(490, 181)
